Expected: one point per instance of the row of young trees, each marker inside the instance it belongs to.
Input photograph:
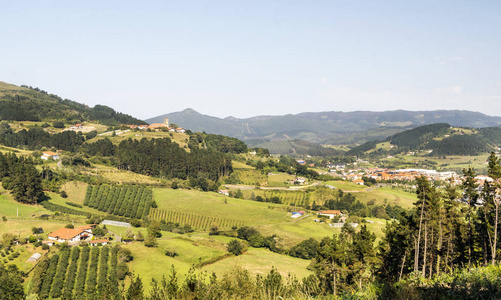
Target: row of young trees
(447, 230)
(127, 201)
(79, 273)
(196, 221)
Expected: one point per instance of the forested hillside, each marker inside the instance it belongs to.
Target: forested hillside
(440, 139)
(33, 104)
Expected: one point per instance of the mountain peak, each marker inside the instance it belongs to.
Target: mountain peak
(190, 111)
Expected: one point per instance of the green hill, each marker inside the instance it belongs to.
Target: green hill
(325, 127)
(439, 139)
(33, 104)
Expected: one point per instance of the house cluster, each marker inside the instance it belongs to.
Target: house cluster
(74, 236)
(380, 174)
(158, 126)
(76, 127)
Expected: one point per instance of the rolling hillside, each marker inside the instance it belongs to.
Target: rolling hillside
(439, 139)
(326, 127)
(33, 104)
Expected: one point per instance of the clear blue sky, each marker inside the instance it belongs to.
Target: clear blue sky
(246, 58)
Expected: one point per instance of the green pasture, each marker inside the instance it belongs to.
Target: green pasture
(346, 186)
(241, 165)
(387, 195)
(10, 208)
(212, 204)
(280, 179)
(250, 177)
(261, 261)
(76, 191)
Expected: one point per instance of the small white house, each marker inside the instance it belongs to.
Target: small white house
(49, 154)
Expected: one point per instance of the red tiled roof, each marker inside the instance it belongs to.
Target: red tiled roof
(99, 241)
(331, 212)
(65, 233)
(49, 153)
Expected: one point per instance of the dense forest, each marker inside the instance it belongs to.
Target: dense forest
(36, 138)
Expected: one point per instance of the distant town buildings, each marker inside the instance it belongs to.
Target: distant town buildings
(158, 126)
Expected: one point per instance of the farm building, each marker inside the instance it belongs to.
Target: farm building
(70, 235)
(99, 242)
(49, 154)
(330, 213)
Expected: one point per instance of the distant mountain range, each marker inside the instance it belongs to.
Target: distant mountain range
(325, 127)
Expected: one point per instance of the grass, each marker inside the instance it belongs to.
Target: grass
(57, 199)
(241, 165)
(212, 204)
(291, 233)
(10, 208)
(261, 261)
(153, 263)
(250, 177)
(387, 195)
(279, 179)
(124, 177)
(346, 186)
(23, 227)
(76, 191)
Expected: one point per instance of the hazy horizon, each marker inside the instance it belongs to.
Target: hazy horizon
(243, 59)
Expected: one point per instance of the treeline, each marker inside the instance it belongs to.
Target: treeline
(285, 164)
(162, 157)
(76, 272)
(347, 202)
(447, 231)
(63, 209)
(20, 175)
(34, 104)
(36, 137)
(216, 142)
(200, 222)
(128, 201)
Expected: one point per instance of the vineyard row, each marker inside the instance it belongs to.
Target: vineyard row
(126, 201)
(196, 221)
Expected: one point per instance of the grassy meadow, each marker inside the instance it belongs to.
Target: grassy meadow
(213, 204)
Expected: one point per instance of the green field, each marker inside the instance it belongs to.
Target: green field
(153, 263)
(250, 177)
(215, 205)
(11, 208)
(346, 186)
(388, 195)
(280, 179)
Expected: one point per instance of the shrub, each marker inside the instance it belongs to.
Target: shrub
(235, 247)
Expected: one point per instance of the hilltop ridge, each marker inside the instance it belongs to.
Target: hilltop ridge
(326, 127)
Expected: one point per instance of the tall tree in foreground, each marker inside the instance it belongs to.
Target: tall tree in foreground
(470, 193)
(493, 199)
